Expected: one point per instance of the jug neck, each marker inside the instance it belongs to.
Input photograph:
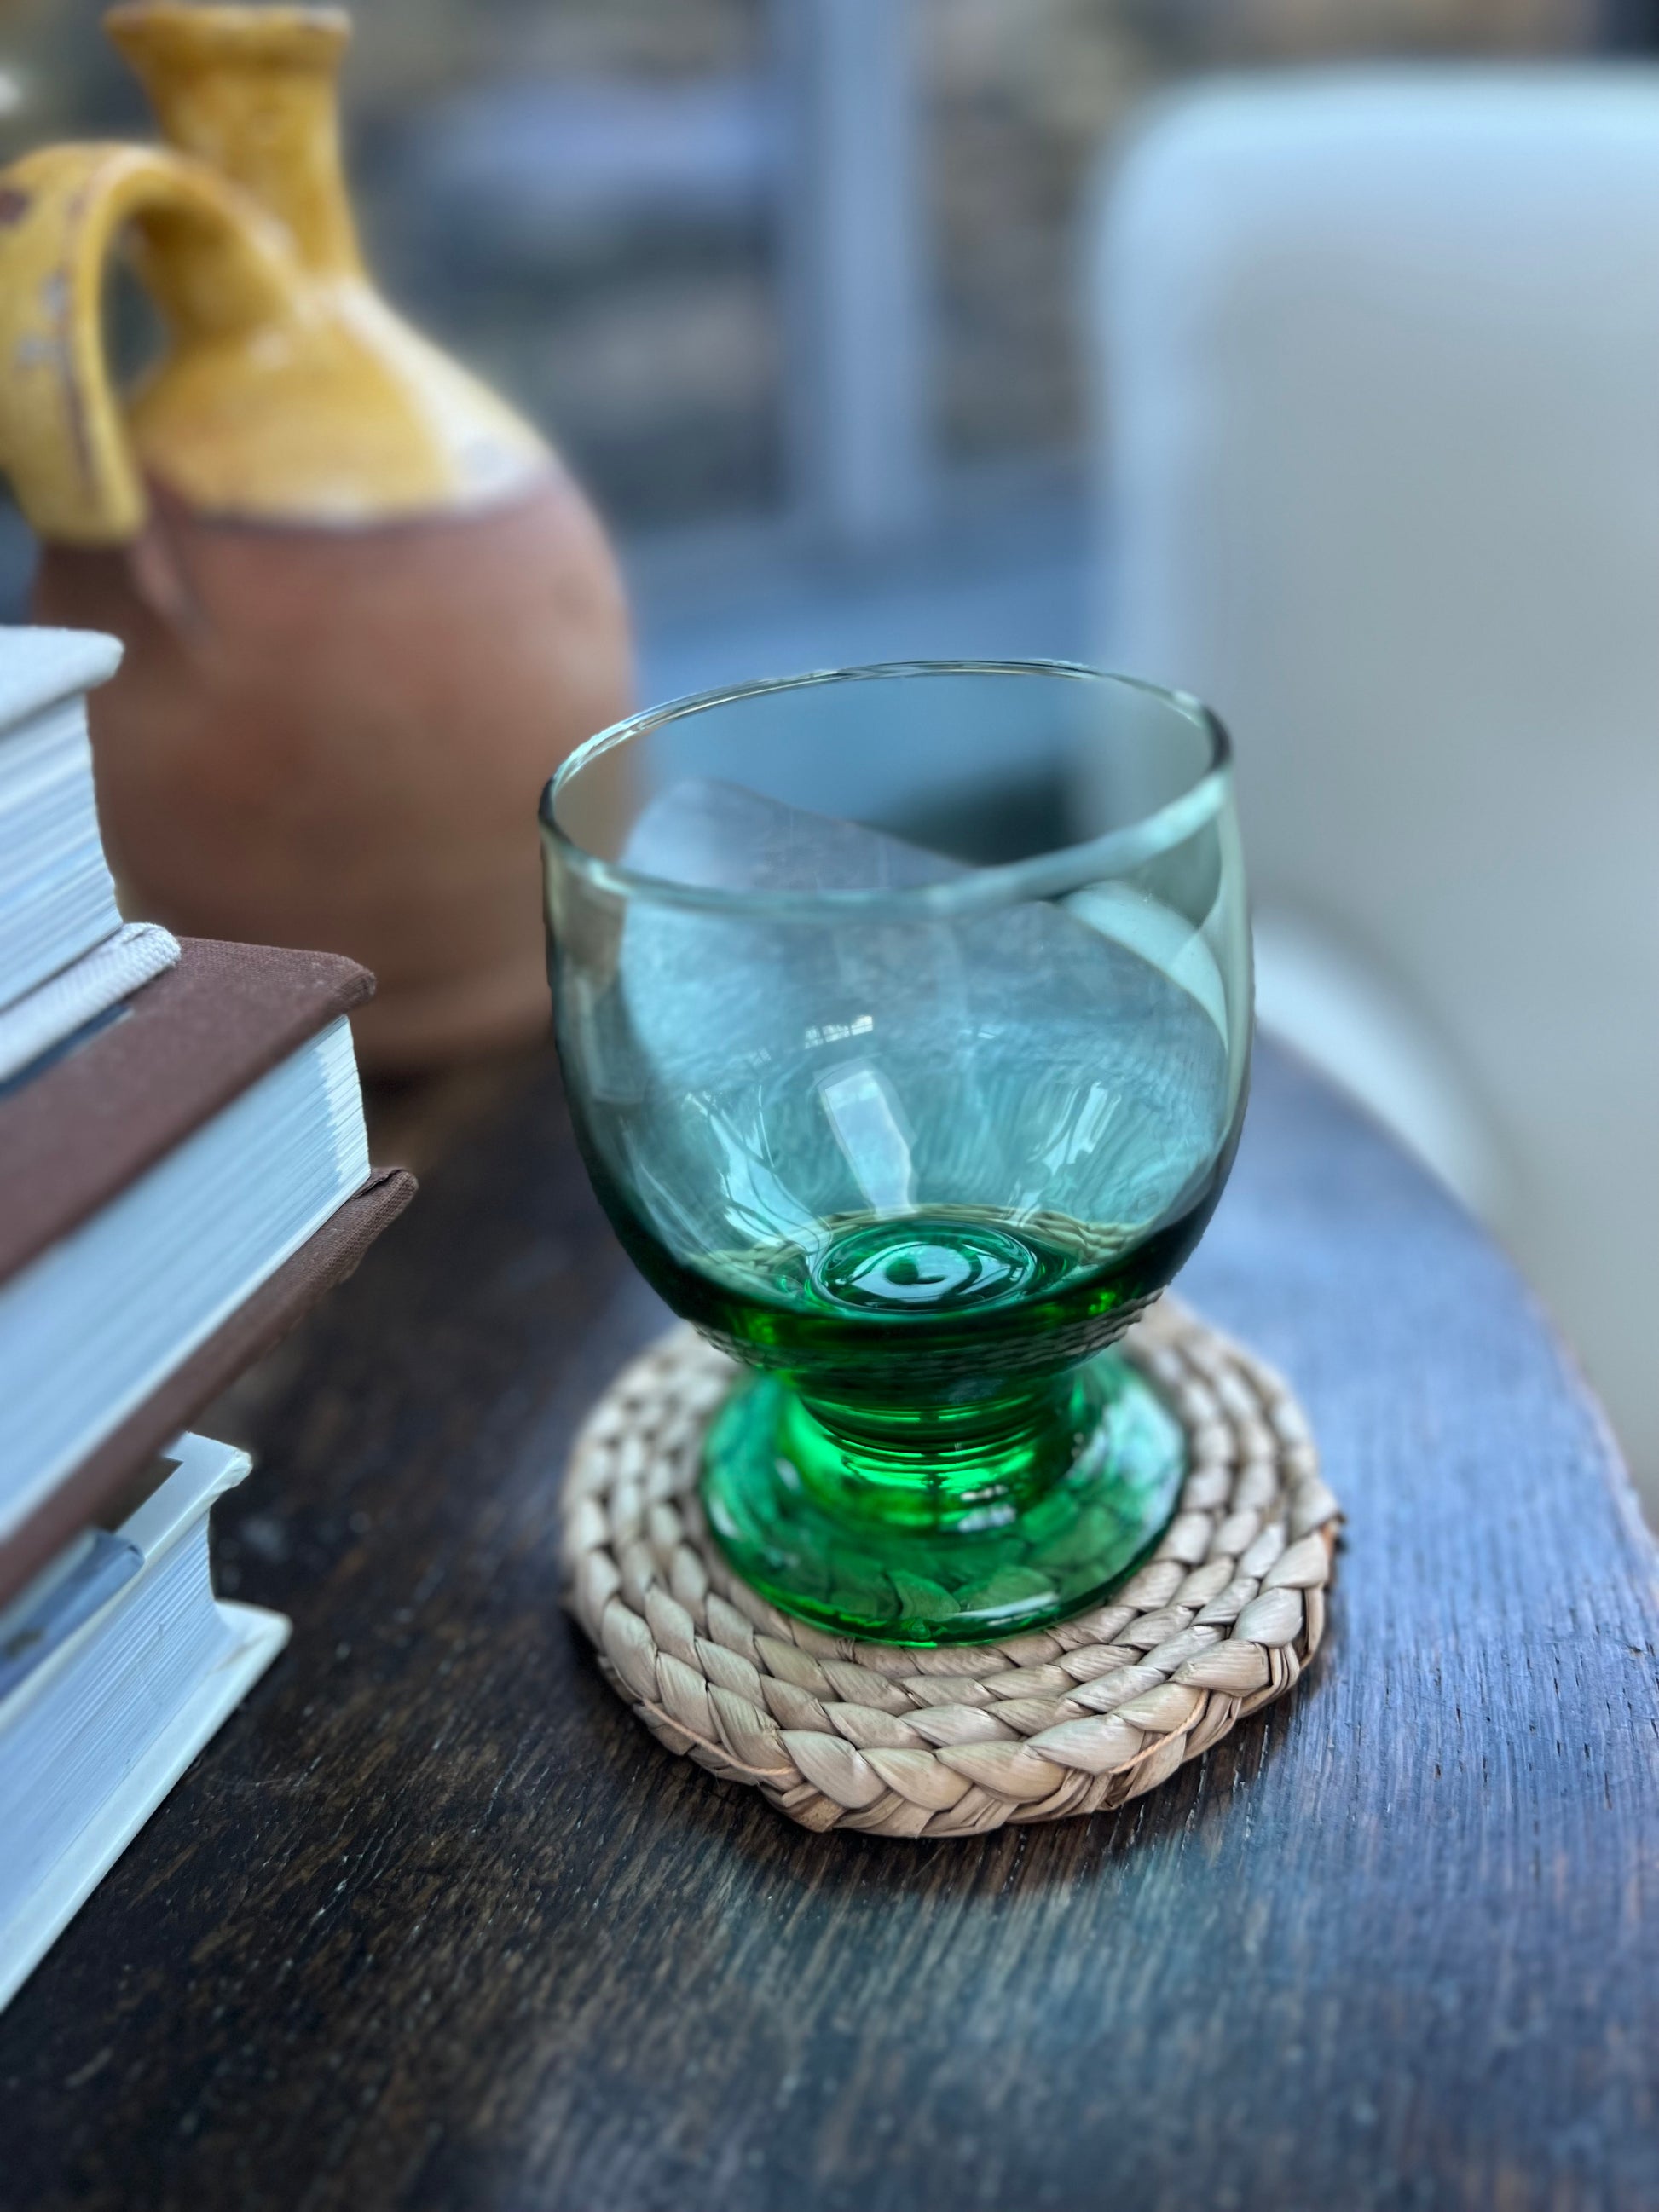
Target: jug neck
(253, 91)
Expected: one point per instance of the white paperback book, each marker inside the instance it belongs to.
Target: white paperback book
(56, 897)
(117, 1664)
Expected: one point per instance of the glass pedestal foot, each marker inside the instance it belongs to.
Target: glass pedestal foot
(863, 1542)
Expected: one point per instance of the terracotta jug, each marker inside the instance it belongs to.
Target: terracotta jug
(366, 611)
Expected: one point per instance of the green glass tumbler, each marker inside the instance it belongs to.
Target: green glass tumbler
(904, 1015)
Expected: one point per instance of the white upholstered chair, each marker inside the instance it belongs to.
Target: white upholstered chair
(1378, 363)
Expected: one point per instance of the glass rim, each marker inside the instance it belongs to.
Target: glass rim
(1041, 875)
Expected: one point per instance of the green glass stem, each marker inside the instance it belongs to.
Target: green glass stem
(939, 1448)
(1033, 1506)
(963, 1468)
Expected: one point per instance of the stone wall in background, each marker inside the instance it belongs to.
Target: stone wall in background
(1025, 91)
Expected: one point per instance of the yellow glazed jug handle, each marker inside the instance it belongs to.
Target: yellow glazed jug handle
(219, 269)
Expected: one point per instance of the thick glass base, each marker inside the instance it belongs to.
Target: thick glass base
(849, 1530)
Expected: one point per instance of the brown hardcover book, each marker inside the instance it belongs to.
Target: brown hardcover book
(262, 1321)
(187, 1044)
(75, 1137)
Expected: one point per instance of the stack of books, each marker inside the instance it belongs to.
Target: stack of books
(183, 1170)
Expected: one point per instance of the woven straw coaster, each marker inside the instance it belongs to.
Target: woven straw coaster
(955, 1739)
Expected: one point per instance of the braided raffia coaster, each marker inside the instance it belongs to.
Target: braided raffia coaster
(955, 1739)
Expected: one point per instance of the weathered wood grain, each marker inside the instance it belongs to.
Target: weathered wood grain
(434, 1924)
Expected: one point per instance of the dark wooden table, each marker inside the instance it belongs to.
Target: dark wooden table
(433, 1924)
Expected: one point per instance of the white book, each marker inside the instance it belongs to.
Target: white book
(56, 897)
(117, 1665)
(94, 1324)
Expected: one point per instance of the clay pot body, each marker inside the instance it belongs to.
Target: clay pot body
(367, 612)
(338, 738)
